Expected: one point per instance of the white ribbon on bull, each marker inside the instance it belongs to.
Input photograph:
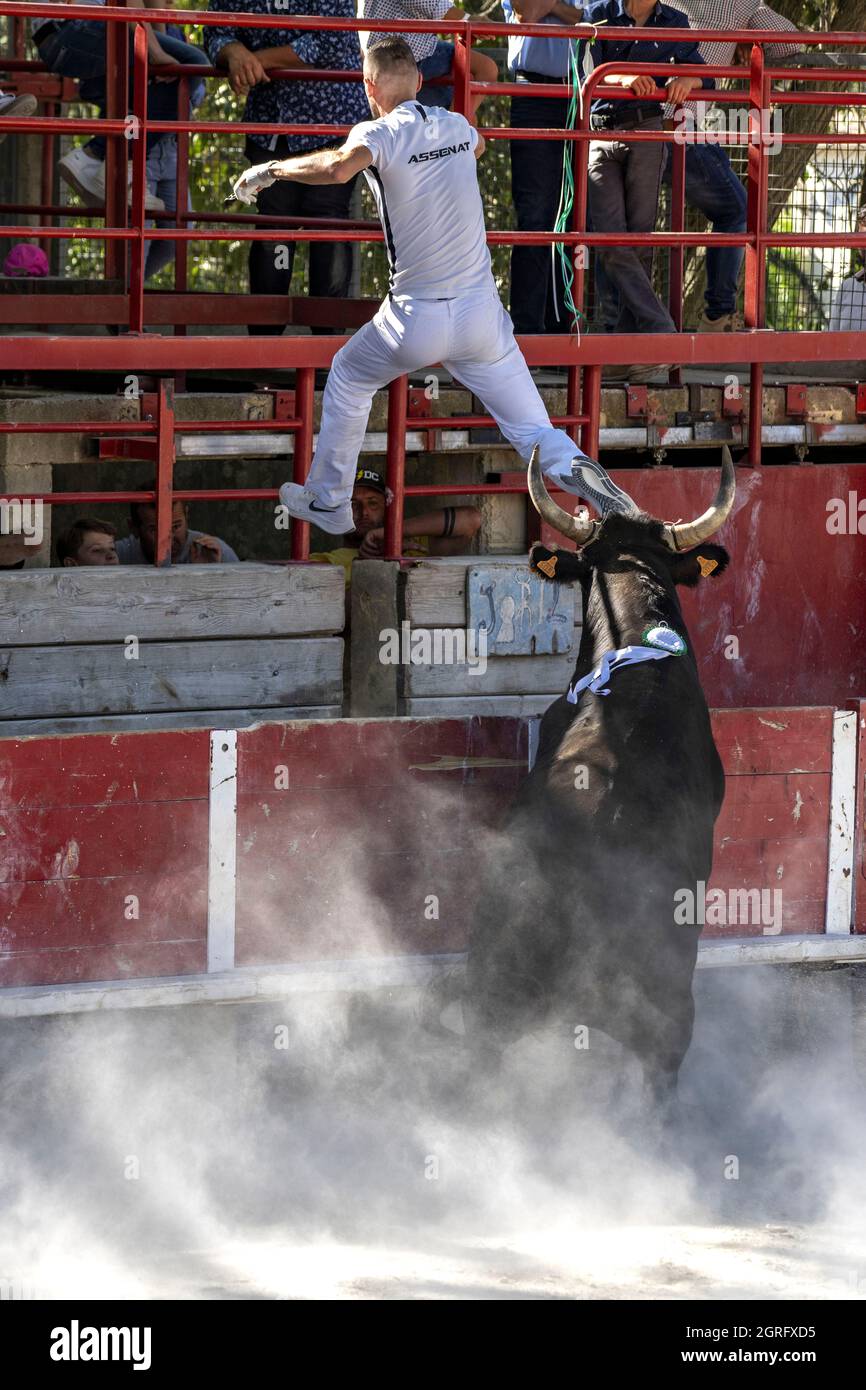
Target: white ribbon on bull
(665, 642)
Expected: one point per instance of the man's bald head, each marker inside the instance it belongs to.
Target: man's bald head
(390, 73)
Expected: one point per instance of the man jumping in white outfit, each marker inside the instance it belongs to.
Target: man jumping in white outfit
(443, 305)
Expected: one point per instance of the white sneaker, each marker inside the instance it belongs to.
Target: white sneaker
(588, 480)
(86, 176)
(300, 503)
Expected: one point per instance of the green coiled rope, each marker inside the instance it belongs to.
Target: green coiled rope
(562, 250)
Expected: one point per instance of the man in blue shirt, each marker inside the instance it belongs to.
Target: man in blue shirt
(624, 178)
(248, 55)
(537, 288)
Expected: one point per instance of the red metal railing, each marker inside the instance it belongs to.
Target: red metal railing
(582, 357)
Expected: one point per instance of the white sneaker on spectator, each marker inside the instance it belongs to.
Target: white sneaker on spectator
(10, 105)
(86, 176)
(300, 503)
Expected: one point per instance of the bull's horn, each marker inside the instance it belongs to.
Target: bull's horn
(683, 535)
(549, 511)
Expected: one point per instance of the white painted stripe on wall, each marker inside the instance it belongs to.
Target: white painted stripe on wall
(222, 850)
(533, 731)
(843, 790)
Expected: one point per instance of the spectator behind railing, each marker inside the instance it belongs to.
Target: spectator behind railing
(77, 48)
(87, 541)
(536, 298)
(187, 547)
(624, 178)
(848, 314)
(442, 531)
(248, 55)
(711, 184)
(434, 56)
(161, 169)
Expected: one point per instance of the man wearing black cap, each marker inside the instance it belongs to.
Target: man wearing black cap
(442, 531)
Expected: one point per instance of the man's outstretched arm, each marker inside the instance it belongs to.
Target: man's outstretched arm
(320, 166)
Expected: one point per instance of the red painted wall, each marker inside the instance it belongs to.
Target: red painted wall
(794, 596)
(378, 819)
(85, 822)
(379, 816)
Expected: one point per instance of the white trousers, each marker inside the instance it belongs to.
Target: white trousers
(472, 336)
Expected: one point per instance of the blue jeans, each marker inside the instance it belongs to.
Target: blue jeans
(162, 180)
(78, 50)
(439, 63)
(713, 188)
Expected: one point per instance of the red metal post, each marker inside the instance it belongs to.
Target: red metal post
(755, 289)
(395, 467)
(139, 172)
(46, 191)
(677, 255)
(305, 400)
(462, 75)
(572, 406)
(164, 469)
(116, 200)
(182, 192)
(591, 407)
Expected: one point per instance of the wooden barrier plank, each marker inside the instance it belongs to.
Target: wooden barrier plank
(435, 594)
(63, 681)
(96, 771)
(133, 960)
(146, 723)
(504, 675)
(82, 605)
(63, 913)
(102, 841)
(784, 806)
(774, 740)
(338, 754)
(482, 706)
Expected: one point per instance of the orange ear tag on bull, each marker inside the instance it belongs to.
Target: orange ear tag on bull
(548, 567)
(707, 566)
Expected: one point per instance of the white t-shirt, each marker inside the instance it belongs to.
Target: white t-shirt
(424, 180)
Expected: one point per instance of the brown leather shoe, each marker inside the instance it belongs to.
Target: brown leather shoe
(725, 323)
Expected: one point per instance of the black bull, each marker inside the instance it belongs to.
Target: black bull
(576, 915)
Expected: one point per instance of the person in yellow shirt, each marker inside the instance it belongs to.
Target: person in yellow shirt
(443, 531)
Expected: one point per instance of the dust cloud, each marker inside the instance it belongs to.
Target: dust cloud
(330, 1146)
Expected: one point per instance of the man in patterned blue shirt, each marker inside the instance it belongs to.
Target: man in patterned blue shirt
(247, 55)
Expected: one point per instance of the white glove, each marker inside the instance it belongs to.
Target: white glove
(252, 181)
